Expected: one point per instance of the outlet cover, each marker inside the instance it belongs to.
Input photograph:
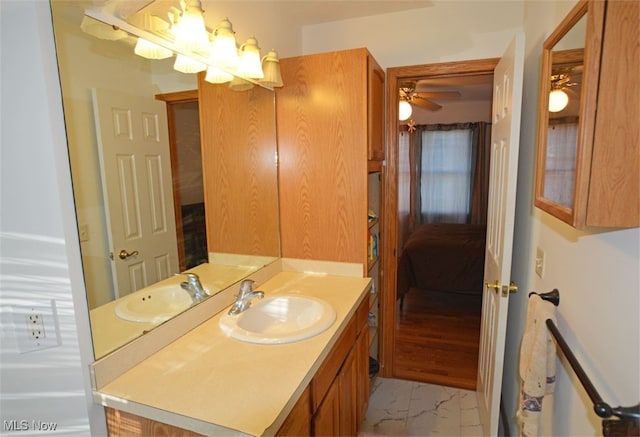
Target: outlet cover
(36, 326)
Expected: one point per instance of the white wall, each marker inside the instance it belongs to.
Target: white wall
(596, 272)
(446, 31)
(40, 259)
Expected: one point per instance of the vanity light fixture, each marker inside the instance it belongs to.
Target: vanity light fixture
(224, 51)
(250, 64)
(215, 75)
(185, 64)
(190, 32)
(240, 84)
(186, 36)
(150, 50)
(271, 69)
(404, 110)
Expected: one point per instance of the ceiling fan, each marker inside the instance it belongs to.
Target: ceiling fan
(424, 99)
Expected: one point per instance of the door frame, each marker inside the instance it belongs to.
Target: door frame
(170, 100)
(395, 75)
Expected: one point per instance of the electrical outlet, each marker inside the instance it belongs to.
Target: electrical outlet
(540, 262)
(36, 326)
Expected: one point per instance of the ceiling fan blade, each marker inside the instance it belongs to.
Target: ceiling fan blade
(439, 94)
(425, 104)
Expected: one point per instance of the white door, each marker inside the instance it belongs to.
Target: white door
(505, 135)
(135, 163)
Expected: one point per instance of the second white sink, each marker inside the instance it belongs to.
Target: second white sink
(280, 319)
(155, 305)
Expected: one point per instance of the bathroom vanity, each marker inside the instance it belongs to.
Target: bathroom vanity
(205, 382)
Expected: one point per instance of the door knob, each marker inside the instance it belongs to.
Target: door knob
(511, 288)
(124, 254)
(495, 286)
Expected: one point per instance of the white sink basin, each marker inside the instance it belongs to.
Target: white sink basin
(155, 305)
(280, 319)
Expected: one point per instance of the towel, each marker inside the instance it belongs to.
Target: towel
(537, 364)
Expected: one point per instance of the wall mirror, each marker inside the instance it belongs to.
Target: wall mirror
(227, 212)
(564, 126)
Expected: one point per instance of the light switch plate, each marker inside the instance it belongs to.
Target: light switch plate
(540, 262)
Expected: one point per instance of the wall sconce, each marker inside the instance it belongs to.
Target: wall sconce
(404, 110)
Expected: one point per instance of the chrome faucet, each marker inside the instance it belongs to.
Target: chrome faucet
(243, 298)
(193, 286)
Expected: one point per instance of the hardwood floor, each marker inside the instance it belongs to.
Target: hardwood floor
(437, 336)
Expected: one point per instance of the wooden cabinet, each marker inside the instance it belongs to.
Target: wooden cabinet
(298, 423)
(330, 121)
(589, 152)
(340, 388)
(331, 146)
(120, 423)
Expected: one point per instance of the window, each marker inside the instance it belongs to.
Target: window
(446, 172)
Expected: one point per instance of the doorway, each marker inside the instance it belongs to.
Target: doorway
(186, 170)
(433, 336)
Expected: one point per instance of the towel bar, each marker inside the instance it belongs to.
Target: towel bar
(601, 408)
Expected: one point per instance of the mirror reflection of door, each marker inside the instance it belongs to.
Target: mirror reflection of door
(132, 137)
(186, 169)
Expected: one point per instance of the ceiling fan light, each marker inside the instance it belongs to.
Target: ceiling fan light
(558, 100)
(404, 110)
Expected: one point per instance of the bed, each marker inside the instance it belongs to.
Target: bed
(443, 257)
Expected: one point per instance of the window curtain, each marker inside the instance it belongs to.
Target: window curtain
(451, 180)
(559, 178)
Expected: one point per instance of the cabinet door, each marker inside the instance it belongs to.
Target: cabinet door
(362, 374)
(121, 423)
(375, 77)
(298, 423)
(326, 420)
(347, 380)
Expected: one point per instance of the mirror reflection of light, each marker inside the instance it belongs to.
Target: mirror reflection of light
(405, 110)
(558, 100)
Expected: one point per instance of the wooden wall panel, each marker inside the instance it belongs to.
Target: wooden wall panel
(322, 140)
(239, 169)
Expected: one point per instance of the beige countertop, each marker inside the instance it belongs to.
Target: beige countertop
(109, 332)
(212, 384)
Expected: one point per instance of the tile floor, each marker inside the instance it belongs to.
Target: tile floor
(406, 408)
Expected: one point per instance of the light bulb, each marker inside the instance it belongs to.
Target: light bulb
(558, 100)
(215, 75)
(404, 110)
(185, 64)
